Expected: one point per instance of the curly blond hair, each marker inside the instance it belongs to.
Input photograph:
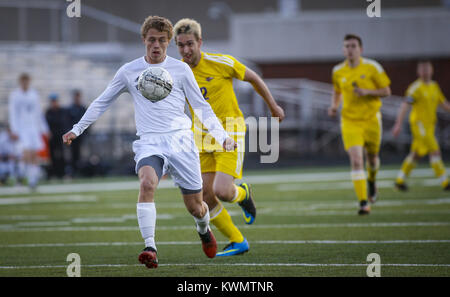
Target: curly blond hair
(159, 23)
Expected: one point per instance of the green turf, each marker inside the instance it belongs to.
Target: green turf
(314, 213)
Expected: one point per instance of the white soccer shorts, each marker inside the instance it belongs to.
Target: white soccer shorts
(180, 155)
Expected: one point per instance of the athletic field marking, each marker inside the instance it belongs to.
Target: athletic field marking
(47, 199)
(233, 264)
(11, 228)
(347, 185)
(31, 245)
(167, 183)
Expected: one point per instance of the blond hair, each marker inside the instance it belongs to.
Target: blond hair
(159, 23)
(188, 26)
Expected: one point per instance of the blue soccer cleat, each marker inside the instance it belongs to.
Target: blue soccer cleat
(247, 205)
(234, 248)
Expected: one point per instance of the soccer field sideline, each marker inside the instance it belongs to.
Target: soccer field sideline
(252, 179)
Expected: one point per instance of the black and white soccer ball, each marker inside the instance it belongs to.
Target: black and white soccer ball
(155, 83)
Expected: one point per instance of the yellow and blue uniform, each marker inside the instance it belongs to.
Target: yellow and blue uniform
(214, 74)
(360, 115)
(424, 99)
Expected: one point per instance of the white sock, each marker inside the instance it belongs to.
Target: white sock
(203, 223)
(33, 174)
(146, 214)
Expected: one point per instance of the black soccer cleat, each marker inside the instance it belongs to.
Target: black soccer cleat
(247, 205)
(148, 257)
(373, 191)
(401, 187)
(364, 208)
(447, 188)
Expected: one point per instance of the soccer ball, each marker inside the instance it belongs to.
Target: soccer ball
(155, 83)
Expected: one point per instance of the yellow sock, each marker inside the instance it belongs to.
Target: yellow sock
(239, 195)
(360, 184)
(407, 166)
(372, 171)
(439, 170)
(220, 218)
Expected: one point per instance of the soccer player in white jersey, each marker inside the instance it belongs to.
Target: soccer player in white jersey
(27, 124)
(166, 142)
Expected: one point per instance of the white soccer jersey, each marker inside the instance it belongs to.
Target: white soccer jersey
(164, 116)
(26, 118)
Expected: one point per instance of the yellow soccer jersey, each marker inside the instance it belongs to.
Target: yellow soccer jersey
(214, 74)
(425, 99)
(367, 75)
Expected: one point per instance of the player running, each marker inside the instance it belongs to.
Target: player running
(359, 83)
(165, 142)
(214, 74)
(27, 124)
(425, 96)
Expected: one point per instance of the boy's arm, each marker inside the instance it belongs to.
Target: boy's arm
(336, 99)
(261, 88)
(404, 108)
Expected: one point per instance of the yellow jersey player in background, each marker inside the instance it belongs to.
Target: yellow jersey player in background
(214, 74)
(425, 96)
(359, 83)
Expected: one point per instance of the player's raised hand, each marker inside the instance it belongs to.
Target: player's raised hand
(229, 144)
(278, 112)
(68, 137)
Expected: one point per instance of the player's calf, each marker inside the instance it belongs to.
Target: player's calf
(373, 191)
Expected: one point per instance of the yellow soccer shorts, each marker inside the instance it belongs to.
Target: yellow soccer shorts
(366, 133)
(230, 163)
(424, 140)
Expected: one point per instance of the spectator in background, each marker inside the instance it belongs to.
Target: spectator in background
(27, 124)
(56, 118)
(76, 111)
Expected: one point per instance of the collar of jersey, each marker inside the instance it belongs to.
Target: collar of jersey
(348, 66)
(155, 65)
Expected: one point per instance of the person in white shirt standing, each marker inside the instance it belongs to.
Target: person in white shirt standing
(166, 142)
(27, 124)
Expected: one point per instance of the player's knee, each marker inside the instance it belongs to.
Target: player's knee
(357, 163)
(197, 210)
(148, 185)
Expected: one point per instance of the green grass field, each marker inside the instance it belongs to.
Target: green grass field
(306, 226)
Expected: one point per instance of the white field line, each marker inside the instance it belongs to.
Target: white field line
(32, 245)
(347, 185)
(47, 199)
(303, 205)
(12, 228)
(233, 264)
(164, 184)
